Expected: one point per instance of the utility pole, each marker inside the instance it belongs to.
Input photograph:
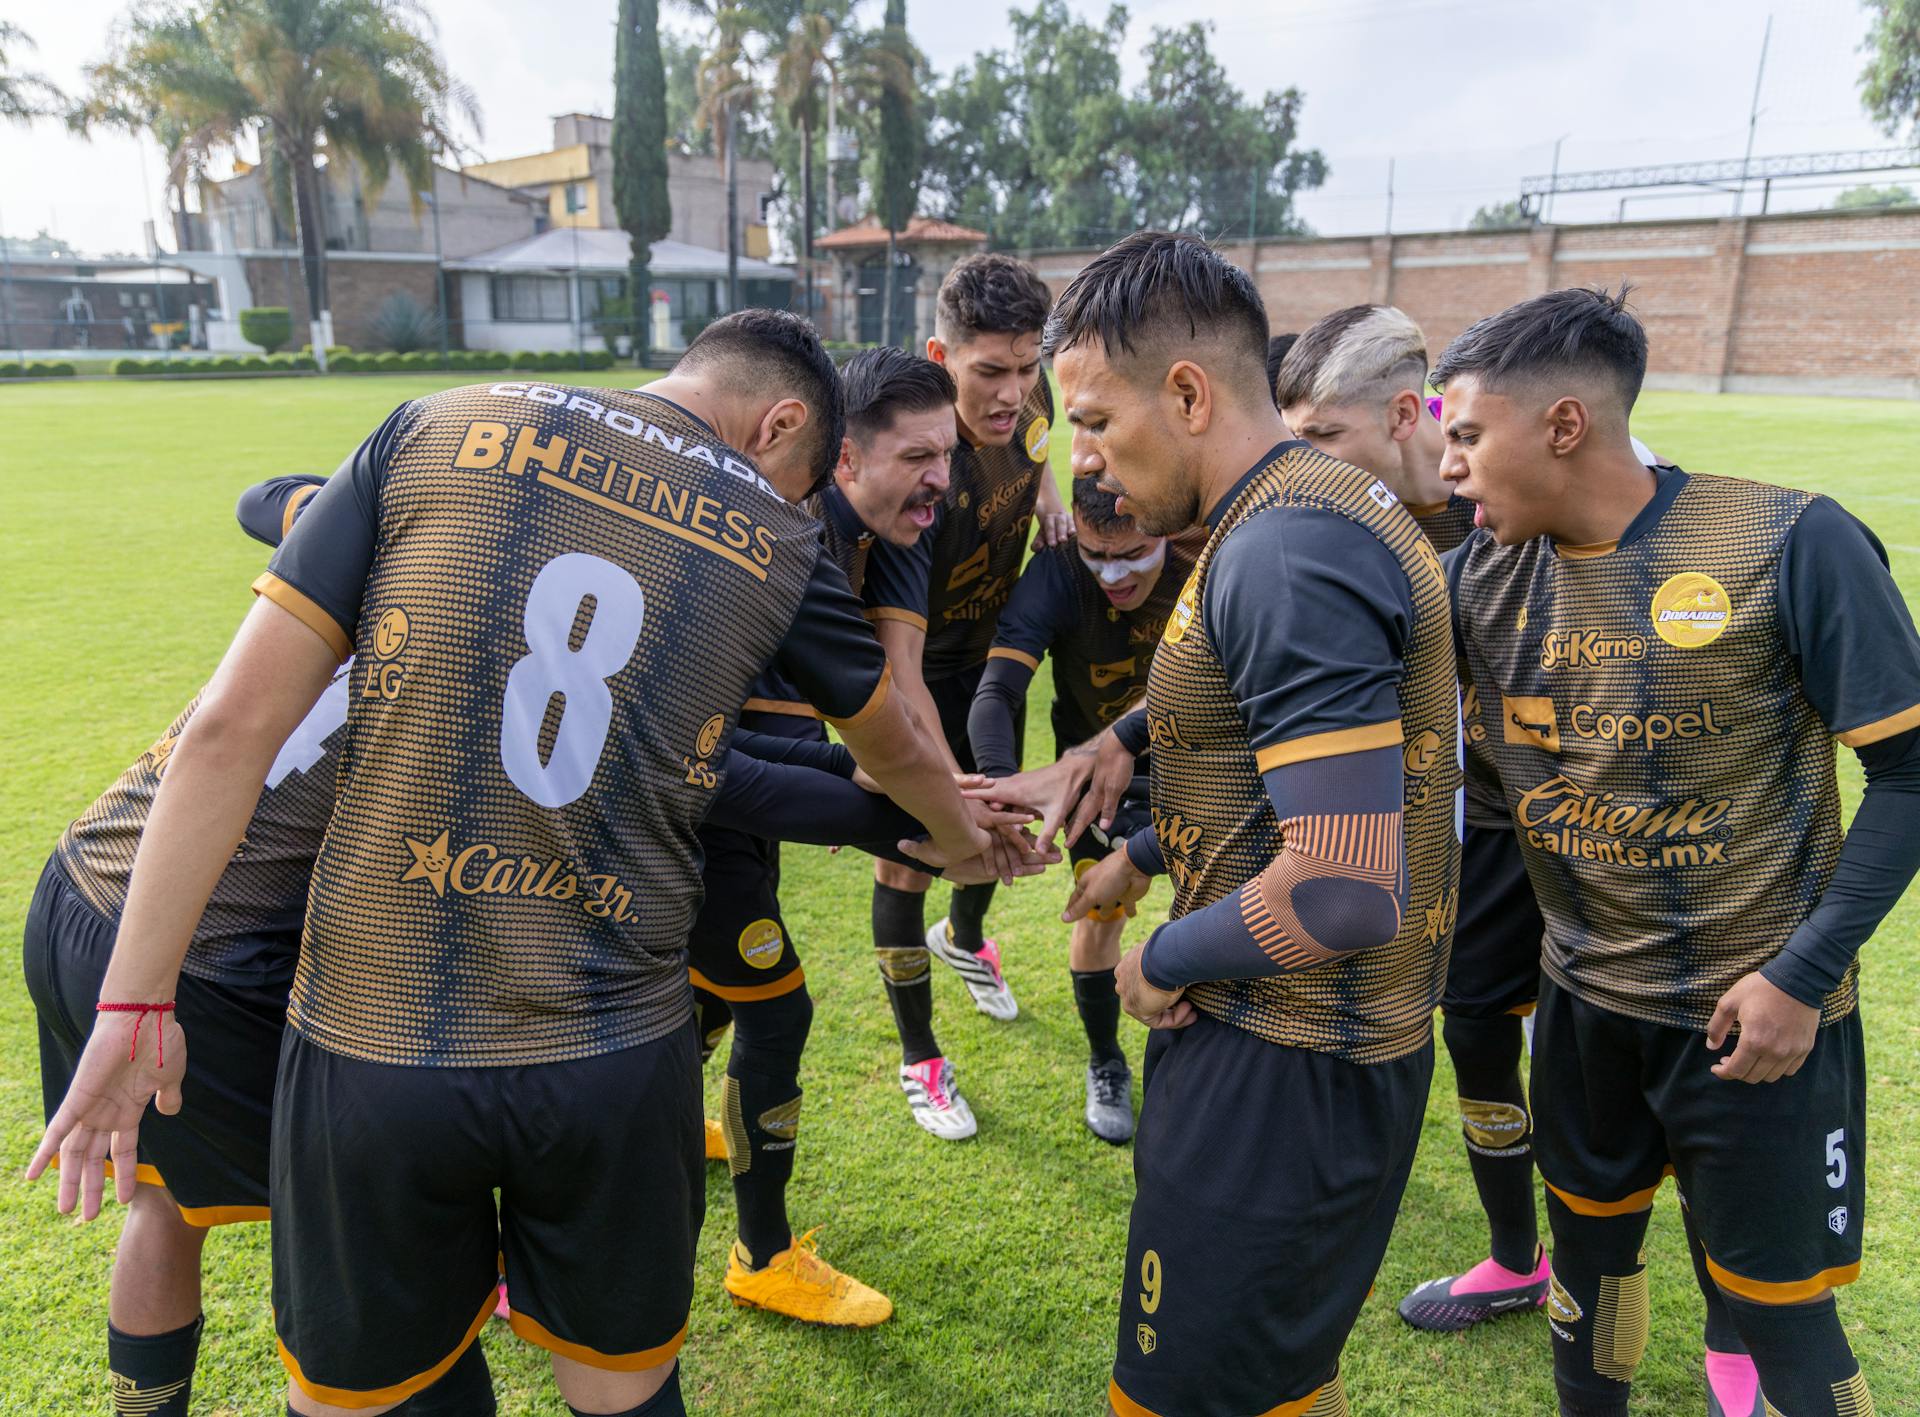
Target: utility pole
(833, 149)
(1389, 196)
(1753, 115)
(439, 269)
(1546, 206)
(733, 214)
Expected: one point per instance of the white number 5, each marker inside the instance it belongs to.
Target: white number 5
(579, 676)
(1836, 1158)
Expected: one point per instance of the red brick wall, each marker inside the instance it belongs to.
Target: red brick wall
(1808, 302)
(355, 290)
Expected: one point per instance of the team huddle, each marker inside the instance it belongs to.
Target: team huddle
(466, 859)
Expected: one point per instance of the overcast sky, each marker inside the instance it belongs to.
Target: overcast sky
(1466, 96)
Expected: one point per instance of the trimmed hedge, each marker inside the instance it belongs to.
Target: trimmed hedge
(39, 369)
(342, 360)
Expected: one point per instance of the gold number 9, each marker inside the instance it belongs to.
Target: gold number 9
(1150, 1282)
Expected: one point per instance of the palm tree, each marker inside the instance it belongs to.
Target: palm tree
(347, 80)
(801, 35)
(726, 86)
(23, 97)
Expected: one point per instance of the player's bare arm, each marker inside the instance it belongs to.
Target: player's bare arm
(271, 677)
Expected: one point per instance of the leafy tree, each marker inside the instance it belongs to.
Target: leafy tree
(681, 59)
(23, 96)
(727, 88)
(800, 35)
(1867, 195)
(1498, 216)
(640, 153)
(1890, 83)
(1041, 145)
(305, 80)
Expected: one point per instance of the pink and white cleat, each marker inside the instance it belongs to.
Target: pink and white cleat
(1733, 1386)
(1484, 1292)
(937, 1104)
(982, 973)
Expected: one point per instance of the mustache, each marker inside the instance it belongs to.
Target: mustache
(925, 498)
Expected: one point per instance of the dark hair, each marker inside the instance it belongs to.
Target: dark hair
(882, 383)
(777, 351)
(1156, 283)
(1277, 348)
(1573, 331)
(990, 294)
(1099, 507)
(1360, 354)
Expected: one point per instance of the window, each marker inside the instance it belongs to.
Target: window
(530, 298)
(595, 291)
(576, 197)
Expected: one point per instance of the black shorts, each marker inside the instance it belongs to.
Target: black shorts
(1495, 967)
(953, 700)
(387, 1240)
(1267, 1180)
(1129, 817)
(212, 1154)
(1774, 1174)
(739, 949)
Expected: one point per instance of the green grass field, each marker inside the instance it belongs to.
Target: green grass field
(123, 576)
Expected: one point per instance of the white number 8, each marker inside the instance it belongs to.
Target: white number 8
(579, 676)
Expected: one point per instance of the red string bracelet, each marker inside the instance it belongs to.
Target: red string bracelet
(142, 1010)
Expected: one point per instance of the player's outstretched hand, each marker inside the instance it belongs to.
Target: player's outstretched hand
(1051, 791)
(1156, 1008)
(1107, 889)
(1005, 860)
(1777, 1031)
(1112, 774)
(118, 1074)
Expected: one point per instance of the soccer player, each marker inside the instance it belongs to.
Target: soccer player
(1299, 708)
(892, 473)
(1666, 659)
(556, 600)
(1098, 604)
(1354, 387)
(987, 326)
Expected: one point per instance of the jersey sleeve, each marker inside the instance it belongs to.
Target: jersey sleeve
(266, 510)
(1310, 615)
(1038, 612)
(830, 653)
(320, 571)
(897, 579)
(1848, 628)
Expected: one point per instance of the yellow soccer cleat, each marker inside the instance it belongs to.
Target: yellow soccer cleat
(716, 1141)
(801, 1285)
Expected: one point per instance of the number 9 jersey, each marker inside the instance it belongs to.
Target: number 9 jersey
(556, 604)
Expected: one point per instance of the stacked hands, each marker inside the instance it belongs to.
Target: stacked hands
(1083, 788)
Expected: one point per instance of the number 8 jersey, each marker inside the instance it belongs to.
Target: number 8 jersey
(556, 600)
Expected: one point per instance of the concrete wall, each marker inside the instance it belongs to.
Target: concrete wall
(1818, 303)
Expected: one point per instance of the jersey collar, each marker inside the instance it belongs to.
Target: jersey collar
(1267, 459)
(1668, 480)
(845, 520)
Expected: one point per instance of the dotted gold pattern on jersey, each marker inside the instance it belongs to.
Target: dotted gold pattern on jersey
(982, 540)
(409, 956)
(1376, 1005)
(1677, 806)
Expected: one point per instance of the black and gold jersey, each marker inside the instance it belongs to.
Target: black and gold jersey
(1445, 524)
(975, 549)
(1257, 670)
(1662, 713)
(556, 600)
(249, 933)
(1100, 653)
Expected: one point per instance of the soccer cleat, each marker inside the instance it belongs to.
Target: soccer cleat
(982, 973)
(798, 1283)
(716, 1141)
(1110, 1101)
(1484, 1292)
(1733, 1387)
(937, 1104)
(501, 1309)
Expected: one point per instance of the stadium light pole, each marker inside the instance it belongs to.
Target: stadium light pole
(1546, 207)
(1753, 115)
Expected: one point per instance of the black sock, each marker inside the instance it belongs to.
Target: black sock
(1499, 1132)
(1721, 1334)
(761, 1114)
(665, 1403)
(711, 1015)
(153, 1373)
(1800, 1351)
(1099, 1013)
(1597, 1310)
(464, 1390)
(967, 915)
(900, 942)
